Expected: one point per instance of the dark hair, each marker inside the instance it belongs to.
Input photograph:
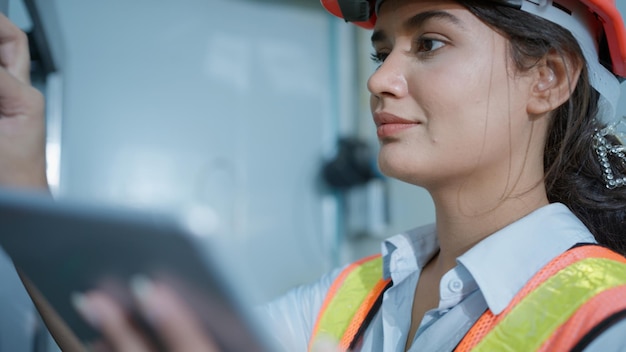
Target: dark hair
(573, 175)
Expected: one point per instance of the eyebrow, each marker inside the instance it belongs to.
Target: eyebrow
(418, 21)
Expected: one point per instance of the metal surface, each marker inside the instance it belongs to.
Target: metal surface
(4, 6)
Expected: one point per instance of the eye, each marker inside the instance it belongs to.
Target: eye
(428, 45)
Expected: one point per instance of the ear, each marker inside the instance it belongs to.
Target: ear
(554, 79)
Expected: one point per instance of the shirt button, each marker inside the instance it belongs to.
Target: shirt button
(455, 286)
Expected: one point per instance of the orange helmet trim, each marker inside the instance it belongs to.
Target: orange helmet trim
(614, 30)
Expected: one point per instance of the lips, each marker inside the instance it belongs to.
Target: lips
(388, 125)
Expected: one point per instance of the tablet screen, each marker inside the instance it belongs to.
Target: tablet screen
(66, 247)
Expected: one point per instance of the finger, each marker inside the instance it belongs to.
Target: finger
(15, 89)
(98, 346)
(17, 98)
(173, 320)
(110, 319)
(14, 51)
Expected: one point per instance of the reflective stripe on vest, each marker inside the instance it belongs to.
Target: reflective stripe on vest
(353, 297)
(559, 308)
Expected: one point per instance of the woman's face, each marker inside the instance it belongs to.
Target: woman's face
(447, 102)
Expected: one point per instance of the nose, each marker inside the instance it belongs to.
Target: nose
(389, 79)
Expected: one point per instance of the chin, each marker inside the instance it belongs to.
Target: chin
(397, 170)
(407, 170)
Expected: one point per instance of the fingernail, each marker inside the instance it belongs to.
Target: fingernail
(81, 304)
(143, 290)
(141, 287)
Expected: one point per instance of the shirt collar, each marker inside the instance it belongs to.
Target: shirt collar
(523, 248)
(407, 252)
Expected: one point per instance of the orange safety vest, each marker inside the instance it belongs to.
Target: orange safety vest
(563, 307)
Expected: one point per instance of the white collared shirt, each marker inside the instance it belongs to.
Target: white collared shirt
(489, 275)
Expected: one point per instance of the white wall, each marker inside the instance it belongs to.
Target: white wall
(222, 104)
(192, 101)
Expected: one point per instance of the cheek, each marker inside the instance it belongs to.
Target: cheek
(480, 90)
(455, 97)
(468, 107)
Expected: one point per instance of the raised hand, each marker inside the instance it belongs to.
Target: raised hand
(22, 121)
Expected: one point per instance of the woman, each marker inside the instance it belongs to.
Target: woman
(500, 114)
(490, 109)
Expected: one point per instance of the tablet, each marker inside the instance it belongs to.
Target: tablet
(64, 247)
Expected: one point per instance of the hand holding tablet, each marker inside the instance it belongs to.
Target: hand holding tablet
(87, 256)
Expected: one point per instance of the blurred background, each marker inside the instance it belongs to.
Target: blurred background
(247, 119)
